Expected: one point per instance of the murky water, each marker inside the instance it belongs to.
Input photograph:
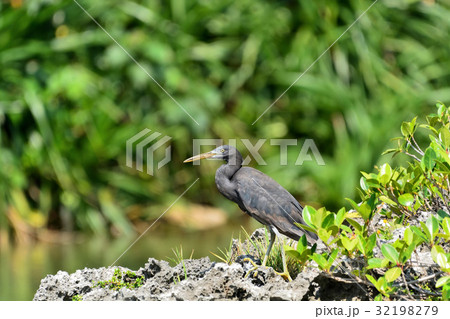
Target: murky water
(22, 267)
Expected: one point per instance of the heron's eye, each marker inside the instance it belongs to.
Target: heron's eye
(222, 150)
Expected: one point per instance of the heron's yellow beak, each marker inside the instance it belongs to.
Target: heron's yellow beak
(199, 157)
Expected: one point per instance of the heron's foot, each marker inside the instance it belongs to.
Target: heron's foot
(285, 275)
(253, 270)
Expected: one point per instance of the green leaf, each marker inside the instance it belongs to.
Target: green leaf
(444, 136)
(306, 227)
(419, 233)
(328, 221)
(426, 231)
(348, 243)
(324, 235)
(406, 253)
(429, 158)
(406, 129)
(340, 217)
(355, 224)
(309, 215)
(320, 260)
(291, 252)
(443, 281)
(408, 236)
(371, 242)
(392, 274)
(387, 200)
(332, 257)
(390, 253)
(440, 258)
(385, 174)
(433, 226)
(364, 209)
(390, 150)
(372, 280)
(446, 225)
(375, 263)
(302, 244)
(406, 199)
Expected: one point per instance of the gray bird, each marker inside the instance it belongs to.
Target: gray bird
(259, 196)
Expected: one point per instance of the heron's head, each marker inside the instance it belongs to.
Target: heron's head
(224, 152)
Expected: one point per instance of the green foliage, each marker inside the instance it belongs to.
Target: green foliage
(121, 280)
(77, 298)
(396, 196)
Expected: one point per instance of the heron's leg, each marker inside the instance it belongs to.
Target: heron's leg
(285, 273)
(273, 236)
(266, 256)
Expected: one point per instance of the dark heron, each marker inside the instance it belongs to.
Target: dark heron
(259, 196)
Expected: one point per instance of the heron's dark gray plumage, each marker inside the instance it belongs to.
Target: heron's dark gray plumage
(257, 195)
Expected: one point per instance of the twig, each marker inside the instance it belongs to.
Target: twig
(426, 292)
(404, 281)
(420, 279)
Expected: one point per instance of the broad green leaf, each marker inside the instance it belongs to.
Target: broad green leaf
(444, 136)
(387, 200)
(365, 211)
(392, 274)
(355, 224)
(419, 233)
(302, 244)
(372, 280)
(433, 226)
(390, 253)
(408, 236)
(426, 231)
(340, 217)
(349, 244)
(406, 253)
(306, 227)
(363, 183)
(443, 281)
(346, 229)
(371, 242)
(291, 252)
(320, 260)
(446, 225)
(406, 199)
(324, 235)
(385, 174)
(309, 215)
(429, 158)
(332, 257)
(318, 217)
(406, 129)
(376, 263)
(328, 221)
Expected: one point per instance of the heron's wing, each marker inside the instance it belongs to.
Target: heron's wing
(269, 203)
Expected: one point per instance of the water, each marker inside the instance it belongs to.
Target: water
(22, 267)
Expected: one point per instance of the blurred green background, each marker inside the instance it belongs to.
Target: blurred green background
(70, 98)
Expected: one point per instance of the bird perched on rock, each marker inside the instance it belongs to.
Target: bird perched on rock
(259, 196)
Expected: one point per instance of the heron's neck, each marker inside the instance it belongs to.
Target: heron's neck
(224, 177)
(234, 163)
